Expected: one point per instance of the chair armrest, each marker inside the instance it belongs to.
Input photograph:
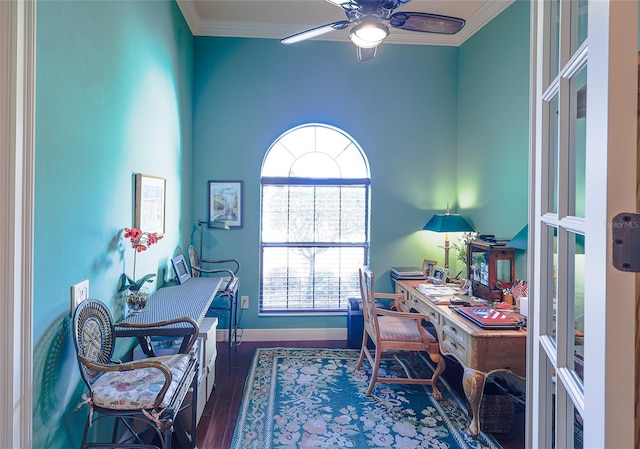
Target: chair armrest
(232, 276)
(131, 366)
(192, 340)
(397, 297)
(221, 261)
(406, 315)
(231, 286)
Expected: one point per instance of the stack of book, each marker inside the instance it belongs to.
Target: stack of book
(404, 273)
(432, 290)
(438, 294)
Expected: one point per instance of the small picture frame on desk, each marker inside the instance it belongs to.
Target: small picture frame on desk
(440, 273)
(428, 266)
(180, 267)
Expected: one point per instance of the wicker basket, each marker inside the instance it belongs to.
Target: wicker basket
(496, 413)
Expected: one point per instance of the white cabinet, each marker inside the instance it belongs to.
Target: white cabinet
(207, 352)
(207, 340)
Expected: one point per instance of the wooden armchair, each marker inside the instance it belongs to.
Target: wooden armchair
(393, 331)
(144, 396)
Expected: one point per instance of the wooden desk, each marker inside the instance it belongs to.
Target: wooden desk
(481, 352)
(191, 299)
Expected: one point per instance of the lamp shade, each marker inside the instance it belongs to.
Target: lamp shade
(521, 239)
(369, 35)
(448, 223)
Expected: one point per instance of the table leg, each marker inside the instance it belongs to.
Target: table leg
(473, 384)
(147, 347)
(231, 329)
(188, 437)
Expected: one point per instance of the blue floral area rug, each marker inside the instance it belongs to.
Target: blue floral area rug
(315, 398)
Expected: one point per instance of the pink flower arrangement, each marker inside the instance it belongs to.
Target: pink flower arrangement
(140, 241)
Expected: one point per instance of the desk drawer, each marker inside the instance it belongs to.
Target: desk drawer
(455, 341)
(427, 309)
(422, 306)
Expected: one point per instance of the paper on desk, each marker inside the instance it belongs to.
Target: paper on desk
(436, 290)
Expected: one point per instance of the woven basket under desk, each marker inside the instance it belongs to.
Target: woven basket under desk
(496, 413)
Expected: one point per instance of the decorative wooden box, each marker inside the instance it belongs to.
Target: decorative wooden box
(491, 268)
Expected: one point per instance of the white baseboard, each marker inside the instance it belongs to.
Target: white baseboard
(285, 334)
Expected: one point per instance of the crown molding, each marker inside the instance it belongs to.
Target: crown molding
(190, 14)
(484, 15)
(200, 27)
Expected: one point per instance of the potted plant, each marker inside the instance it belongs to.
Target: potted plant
(135, 297)
(461, 248)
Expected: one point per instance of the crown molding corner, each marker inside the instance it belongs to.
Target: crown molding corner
(483, 16)
(190, 14)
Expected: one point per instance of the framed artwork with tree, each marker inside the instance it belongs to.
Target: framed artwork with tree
(225, 203)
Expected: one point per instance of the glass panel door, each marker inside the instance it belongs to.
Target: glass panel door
(584, 123)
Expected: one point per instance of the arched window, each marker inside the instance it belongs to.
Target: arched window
(315, 220)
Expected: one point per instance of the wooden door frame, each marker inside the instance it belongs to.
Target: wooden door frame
(17, 133)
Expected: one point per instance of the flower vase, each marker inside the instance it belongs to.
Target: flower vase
(136, 302)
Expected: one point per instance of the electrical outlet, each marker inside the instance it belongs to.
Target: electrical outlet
(244, 302)
(79, 293)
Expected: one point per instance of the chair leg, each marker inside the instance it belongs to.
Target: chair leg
(365, 338)
(166, 439)
(86, 432)
(374, 372)
(440, 366)
(114, 432)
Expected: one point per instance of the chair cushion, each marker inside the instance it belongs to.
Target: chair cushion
(401, 329)
(138, 389)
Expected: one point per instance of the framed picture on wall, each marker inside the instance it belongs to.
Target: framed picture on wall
(150, 203)
(225, 203)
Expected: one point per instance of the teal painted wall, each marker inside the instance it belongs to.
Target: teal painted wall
(113, 98)
(493, 126)
(401, 107)
(123, 88)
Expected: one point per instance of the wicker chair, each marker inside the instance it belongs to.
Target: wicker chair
(393, 331)
(225, 303)
(143, 396)
(230, 275)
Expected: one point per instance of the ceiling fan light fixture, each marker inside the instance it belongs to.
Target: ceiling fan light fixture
(369, 35)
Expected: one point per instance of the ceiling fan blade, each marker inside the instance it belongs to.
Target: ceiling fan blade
(364, 54)
(315, 32)
(426, 23)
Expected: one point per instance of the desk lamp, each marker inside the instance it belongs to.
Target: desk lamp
(447, 223)
(215, 223)
(520, 241)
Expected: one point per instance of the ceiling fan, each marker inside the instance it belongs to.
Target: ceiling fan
(370, 19)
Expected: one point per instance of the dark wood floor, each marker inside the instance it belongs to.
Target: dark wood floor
(216, 426)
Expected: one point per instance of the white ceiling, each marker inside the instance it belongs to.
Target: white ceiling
(275, 19)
